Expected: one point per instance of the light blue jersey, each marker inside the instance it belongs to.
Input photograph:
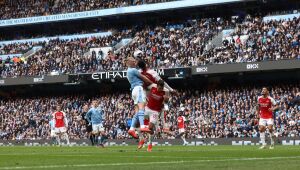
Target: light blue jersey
(133, 76)
(51, 123)
(94, 115)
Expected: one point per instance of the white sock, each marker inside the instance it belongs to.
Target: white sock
(272, 138)
(58, 139)
(263, 138)
(66, 136)
(183, 138)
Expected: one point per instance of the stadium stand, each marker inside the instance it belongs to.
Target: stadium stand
(29, 8)
(168, 45)
(219, 113)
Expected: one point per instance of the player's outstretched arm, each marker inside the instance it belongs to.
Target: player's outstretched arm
(145, 79)
(169, 87)
(276, 106)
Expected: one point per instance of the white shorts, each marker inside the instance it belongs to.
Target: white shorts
(181, 130)
(52, 133)
(265, 122)
(97, 128)
(60, 130)
(153, 115)
(138, 95)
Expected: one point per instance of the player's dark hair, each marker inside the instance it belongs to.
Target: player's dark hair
(142, 64)
(266, 88)
(161, 83)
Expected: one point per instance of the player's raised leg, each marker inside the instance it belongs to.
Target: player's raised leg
(136, 81)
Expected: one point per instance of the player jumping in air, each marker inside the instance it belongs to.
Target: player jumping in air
(61, 125)
(153, 76)
(95, 118)
(136, 80)
(265, 113)
(156, 97)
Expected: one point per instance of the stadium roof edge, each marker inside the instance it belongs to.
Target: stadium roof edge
(61, 37)
(114, 11)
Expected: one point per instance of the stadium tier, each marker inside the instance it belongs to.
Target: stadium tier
(29, 8)
(193, 42)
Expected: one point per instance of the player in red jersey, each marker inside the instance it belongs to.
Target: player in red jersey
(181, 127)
(61, 125)
(156, 98)
(266, 106)
(154, 77)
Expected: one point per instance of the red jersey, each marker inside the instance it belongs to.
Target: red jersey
(264, 105)
(181, 120)
(155, 99)
(151, 75)
(59, 118)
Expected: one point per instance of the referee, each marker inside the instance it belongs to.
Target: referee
(89, 128)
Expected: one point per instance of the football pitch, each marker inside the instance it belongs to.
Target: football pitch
(162, 157)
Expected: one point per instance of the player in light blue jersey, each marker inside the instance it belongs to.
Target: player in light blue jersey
(95, 117)
(52, 131)
(136, 80)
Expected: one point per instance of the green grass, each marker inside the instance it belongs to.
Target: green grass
(169, 157)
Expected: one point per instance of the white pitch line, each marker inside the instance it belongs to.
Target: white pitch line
(133, 156)
(143, 163)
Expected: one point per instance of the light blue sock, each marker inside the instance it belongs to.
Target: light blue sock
(134, 120)
(141, 115)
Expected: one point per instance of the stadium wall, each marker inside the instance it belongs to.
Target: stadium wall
(246, 67)
(163, 142)
(172, 73)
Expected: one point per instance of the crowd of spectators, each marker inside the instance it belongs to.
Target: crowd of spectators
(163, 46)
(16, 48)
(169, 45)
(29, 8)
(272, 40)
(64, 56)
(219, 113)
(175, 45)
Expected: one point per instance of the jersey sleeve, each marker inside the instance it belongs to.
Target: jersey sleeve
(273, 101)
(54, 118)
(154, 74)
(184, 119)
(151, 86)
(65, 119)
(88, 115)
(64, 113)
(166, 90)
(136, 72)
